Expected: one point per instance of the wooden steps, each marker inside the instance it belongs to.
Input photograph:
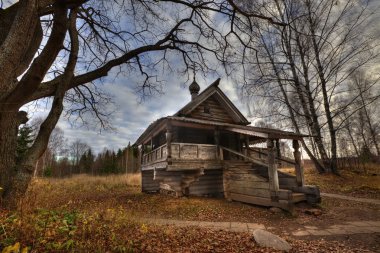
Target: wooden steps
(247, 182)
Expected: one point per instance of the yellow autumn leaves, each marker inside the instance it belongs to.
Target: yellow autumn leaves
(16, 248)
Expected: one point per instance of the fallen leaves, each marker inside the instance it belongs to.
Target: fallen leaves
(94, 214)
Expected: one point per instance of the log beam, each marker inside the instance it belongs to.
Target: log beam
(217, 142)
(272, 170)
(169, 141)
(298, 163)
(246, 143)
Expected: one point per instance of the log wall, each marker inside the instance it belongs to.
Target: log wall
(215, 111)
(195, 183)
(147, 182)
(209, 184)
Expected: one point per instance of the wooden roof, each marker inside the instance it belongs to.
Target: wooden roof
(260, 132)
(215, 92)
(184, 117)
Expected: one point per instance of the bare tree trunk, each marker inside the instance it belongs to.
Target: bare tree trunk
(353, 142)
(326, 103)
(317, 164)
(369, 120)
(316, 130)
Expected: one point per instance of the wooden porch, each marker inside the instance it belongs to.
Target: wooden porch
(245, 173)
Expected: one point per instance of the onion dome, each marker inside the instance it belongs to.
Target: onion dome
(194, 88)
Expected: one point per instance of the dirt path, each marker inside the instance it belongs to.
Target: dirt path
(347, 228)
(339, 196)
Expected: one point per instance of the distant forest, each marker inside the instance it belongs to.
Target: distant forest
(62, 158)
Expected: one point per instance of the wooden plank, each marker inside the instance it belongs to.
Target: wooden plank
(298, 197)
(216, 111)
(264, 193)
(207, 187)
(284, 204)
(247, 132)
(188, 151)
(283, 159)
(160, 164)
(169, 136)
(298, 166)
(180, 165)
(210, 181)
(272, 168)
(241, 155)
(242, 171)
(207, 152)
(175, 150)
(191, 125)
(258, 185)
(147, 182)
(251, 199)
(247, 178)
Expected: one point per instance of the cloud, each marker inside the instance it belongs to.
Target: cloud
(132, 116)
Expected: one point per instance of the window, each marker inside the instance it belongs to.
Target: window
(206, 109)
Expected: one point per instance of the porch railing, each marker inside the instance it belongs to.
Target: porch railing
(183, 151)
(158, 154)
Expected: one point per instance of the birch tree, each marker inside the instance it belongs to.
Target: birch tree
(304, 68)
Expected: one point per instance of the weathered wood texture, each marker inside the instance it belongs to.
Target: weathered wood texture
(286, 180)
(195, 182)
(158, 154)
(298, 166)
(187, 151)
(186, 165)
(274, 185)
(244, 181)
(261, 154)
(148, 184)
(244, 157)
(209, 184)
(211, 109)
(284, 204)
(183, 152)
(240, 177)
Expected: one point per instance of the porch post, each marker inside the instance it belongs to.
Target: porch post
(169, 140)
(141, 154)
(248, 152)
(298, 166)
(272, 170)
(217, 142)
(278, 149)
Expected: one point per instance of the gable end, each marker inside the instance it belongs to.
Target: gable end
(210, 109)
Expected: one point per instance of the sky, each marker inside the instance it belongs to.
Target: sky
(132, 116)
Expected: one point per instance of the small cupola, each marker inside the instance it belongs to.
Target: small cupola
(194, 89)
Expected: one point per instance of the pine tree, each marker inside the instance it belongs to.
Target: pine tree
(25, 139)
(90, 162)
